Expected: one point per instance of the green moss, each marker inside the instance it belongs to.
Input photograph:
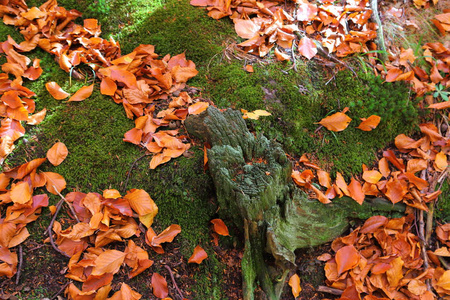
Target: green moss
(298, 100)
(442, 211)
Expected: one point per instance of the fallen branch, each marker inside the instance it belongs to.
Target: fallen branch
(19, 267)
(50, 227)
(60, 291)
(329, 290)
(68, 204)
(174, 282)
(131, 169)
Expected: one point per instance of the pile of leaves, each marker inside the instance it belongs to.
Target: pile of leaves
(98, 224)
(16, 105)
(139, 81)
(340, 27)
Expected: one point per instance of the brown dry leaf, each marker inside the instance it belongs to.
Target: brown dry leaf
(55, 183)
(82, 93)
(21, 192)
(440, 162)
(141, 202)
(347, 258)
(219, 227)
(249, 68)
(336, 122)
(373, 223)
(356, 191)
(246, 29)
(254, 115)
(294, 283)
(125, 293)
(167, 235)
(341, 184)
(159, 286)
(108, 86)
(198, 256)
(56, 91)
(57, 153)
(37, 118)
(372, 176)
(370, 123)
(308, 49)
(108, 262)
(324, 178)
(197, 108)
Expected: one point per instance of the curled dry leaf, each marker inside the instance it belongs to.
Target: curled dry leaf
(294, 283)
(370, 123)
(159, 286)
(346, 258)
(55, 183)
(56, 91)
(82, 93)
(220, 227)
(198, 108)
(198, 256)
(336, 122)
(307, 47)
(57, 153)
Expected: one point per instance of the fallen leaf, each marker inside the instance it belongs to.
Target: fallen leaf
(336, 122)
(82, 93)
(198, 256)
(57, 153)
(56, 91)
(346, 258)
(167, 235)
(197, 108)
(220, 227)
(108, 262)
(159, 286)
(307, 48)
(294, 283)
(370, 123)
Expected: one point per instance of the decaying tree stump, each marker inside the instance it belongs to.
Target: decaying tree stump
(254, 189)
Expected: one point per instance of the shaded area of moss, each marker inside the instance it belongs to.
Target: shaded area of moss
(298, 100)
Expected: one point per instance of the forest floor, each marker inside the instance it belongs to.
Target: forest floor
(99, 159)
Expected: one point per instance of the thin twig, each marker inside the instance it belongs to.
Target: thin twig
(444, 262)
(37, 247)
(68, 204)
(50, 227)
(423, 248)
(173, 281)
(60, 291)
(19, 267)
(131, 169)
(329, 290)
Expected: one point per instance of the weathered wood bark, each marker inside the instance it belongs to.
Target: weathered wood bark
(253, 186)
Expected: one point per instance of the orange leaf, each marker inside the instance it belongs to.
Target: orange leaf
(320, 196)
(159, 286)
(356, 191)
(440, 162)
(82, 93)
(341, 184)
(141, 202)
(372, 176)
(123, 76)
(390, 156)
(108, 86)
(307, 48)
(158, 159)
(56, 91)
(392, 74)
(57, 153)
(373, 223)
(347, 258)
(336, 122)
(21, 192)
(383, 166)
(294, 283)
(108, 262)
(37, 118)
(133, 136)
(198, 256)
(324, 178)
(369, 123)
(125, 292)
(249, 68)
(55, 183)
(395, 274)
(396, 190)
(440, 105)
(167, 235)
(246, 29)
(220, 227)
(197, 108)
(416, 165)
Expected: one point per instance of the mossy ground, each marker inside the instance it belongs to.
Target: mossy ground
(93, 129)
